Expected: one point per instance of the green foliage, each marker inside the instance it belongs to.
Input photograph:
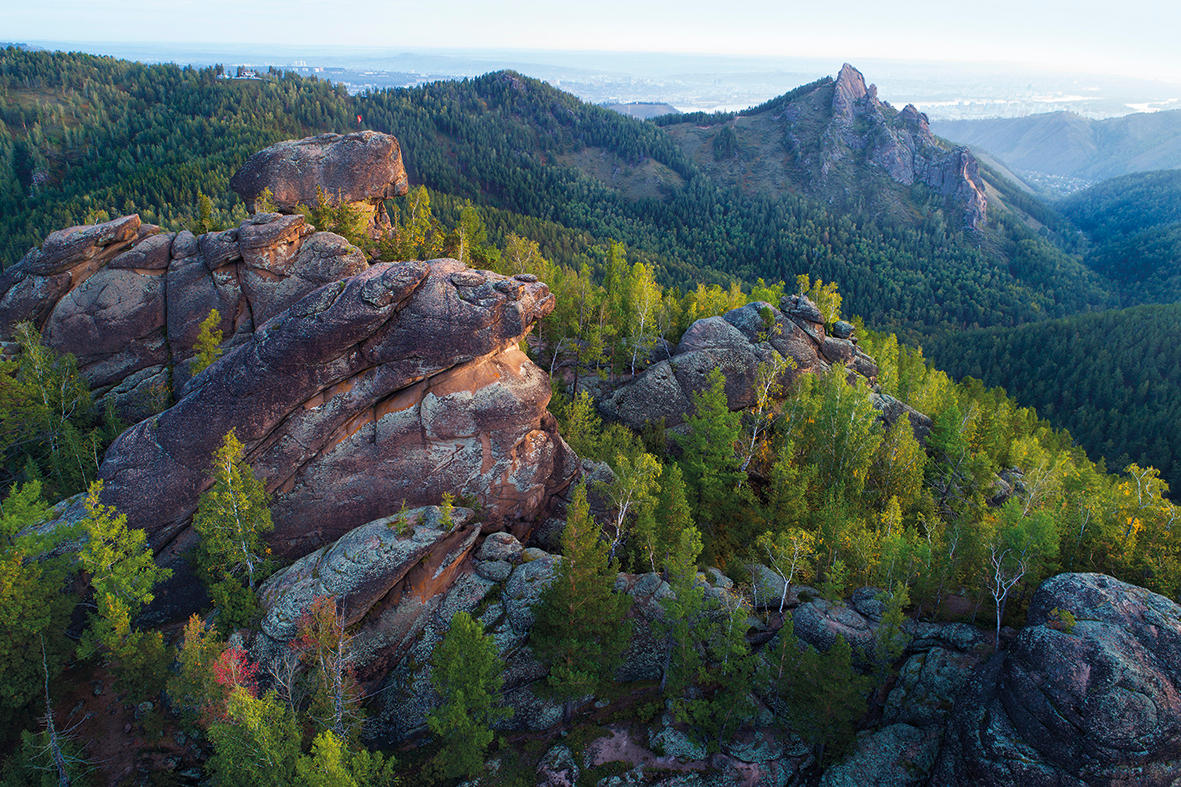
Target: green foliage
(712, 469)
(122, 573)
(207, 348)
(891, 640)
(256, 744)
(1062, 619)
(580, 631)
(1119, 404)
(231, 519)
(33, 763)
(632, 495)
(34, 604)
(467, 673)
(331, 213)
(193, 688)
(333, 764)
(658, 527)
(446, 510)
(684, 623)
(837, 432)
(204, 222)
(823, 695)
(48, 417)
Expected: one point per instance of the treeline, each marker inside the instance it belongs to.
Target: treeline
(1110, 378)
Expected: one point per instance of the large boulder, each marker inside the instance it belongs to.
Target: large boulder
(360, 169)
(1098, 704)
(128, 300)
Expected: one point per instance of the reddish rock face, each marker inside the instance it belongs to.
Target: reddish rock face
(128, 301)
(393, 385)
(360, 169)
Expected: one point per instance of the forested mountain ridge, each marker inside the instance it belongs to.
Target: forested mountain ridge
(836, 141)
(1134, 225)
(797, 552)
(517, 145)
(1110, 378)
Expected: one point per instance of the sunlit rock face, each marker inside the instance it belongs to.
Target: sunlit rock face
(389, 387)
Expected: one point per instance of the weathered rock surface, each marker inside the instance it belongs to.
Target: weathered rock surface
(360, 169)
(1100, 705)
(128, 301)
(349, 410)
(357, 570)
(736, 343)
(902, 146)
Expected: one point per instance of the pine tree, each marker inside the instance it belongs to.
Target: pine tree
(208, 347)
(823, 695)
(683, 624)
(658, 527)
(713, 473)
(231, 520)
(466, 671)
(580, 630)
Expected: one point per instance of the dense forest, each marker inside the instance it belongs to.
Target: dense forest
(1110, 378)
(809, 484)
(1134, 225)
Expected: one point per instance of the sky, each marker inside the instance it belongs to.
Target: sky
(1131, 37)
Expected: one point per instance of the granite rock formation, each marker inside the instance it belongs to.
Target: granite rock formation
(1099, 704)
(901, 144)
(360, 169)
(391, 386)
(127, 299)
(735, 343)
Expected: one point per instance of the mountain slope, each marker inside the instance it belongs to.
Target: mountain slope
(1109, 378)
(1134, 222)
(1063, 143)
(834, 139)
(518, 145)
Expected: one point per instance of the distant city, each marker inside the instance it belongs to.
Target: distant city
(686, 82)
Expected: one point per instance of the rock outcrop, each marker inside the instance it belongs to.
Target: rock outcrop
(127, 300)
(391, 386)
(736, 343)
(1098, 704)
(360, 169)
(901, 144)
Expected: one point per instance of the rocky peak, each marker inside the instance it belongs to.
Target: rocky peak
(901, 145)
(361, 169)
(911, 116)
(848, 92)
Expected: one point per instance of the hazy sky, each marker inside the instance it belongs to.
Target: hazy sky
(1134, 37)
